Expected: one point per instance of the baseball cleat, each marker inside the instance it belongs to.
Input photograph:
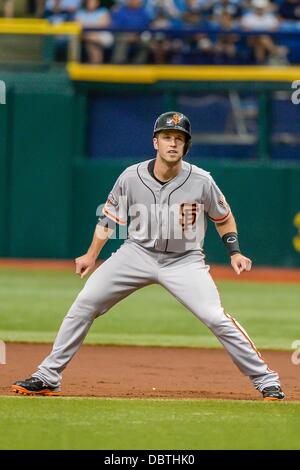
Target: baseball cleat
(35, 386)
(273, 393)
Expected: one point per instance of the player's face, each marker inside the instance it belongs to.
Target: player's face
(170, 145)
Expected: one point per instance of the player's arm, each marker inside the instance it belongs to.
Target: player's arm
(113, 212)
(84, 264)
(228, 232)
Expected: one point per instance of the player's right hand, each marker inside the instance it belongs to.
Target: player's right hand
(84, 264)
(240, 263)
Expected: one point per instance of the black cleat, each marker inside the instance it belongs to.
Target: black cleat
(34, 386)
(273, 393)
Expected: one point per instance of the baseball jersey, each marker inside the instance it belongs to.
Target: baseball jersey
(165, 217)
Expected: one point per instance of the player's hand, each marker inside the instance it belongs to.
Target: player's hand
(84, 264)
(240, 263)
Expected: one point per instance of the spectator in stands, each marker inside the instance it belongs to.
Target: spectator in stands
(68, 6)
(290, 10)
(175, 9)
(174, 14)
(193, 18)
(56, 13)
(226, 44)
(262, 19)
(160, 43)
(219, 7)
(94, 42)
(8, 8)
(40, 8)
(224, 14)
(131, 46)
(108, 3)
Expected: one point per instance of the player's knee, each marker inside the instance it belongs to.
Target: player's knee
(220, 325)
(213, 319)
(85, 307)
(213, 324)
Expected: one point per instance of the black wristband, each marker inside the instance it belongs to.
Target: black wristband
(231, 242)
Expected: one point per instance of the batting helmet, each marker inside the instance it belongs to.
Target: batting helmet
(175, 121)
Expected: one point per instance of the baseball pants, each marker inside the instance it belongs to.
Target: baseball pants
(185, 276)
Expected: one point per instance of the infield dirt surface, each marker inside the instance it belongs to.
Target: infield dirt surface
(142, 372)
(153, 372)
(258, 274)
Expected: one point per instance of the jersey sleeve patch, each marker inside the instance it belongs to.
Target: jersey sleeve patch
(216, 206)
(115, 207)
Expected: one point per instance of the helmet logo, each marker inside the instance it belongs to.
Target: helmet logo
(175, 119)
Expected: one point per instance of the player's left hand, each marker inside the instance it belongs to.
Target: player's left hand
(240, 263)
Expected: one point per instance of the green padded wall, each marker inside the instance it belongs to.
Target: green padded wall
(4, 176)
(41, 114)
(49, 191)
(264, 200)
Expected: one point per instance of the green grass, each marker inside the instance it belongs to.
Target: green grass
(33, 304)
(69, 423)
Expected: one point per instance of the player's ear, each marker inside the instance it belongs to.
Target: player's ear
(155, 143)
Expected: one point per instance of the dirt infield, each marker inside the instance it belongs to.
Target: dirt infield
(144, 372)
(219, 272)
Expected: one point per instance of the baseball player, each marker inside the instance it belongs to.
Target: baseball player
(165, 202)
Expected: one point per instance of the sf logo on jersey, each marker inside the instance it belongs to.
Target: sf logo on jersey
(188, 215)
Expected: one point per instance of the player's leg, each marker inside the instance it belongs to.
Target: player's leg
(124, 272)
(188, 279)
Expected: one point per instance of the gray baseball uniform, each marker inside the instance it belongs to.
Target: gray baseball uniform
(167, 224)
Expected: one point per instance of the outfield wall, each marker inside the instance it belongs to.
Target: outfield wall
(49, 189)
(264, 200)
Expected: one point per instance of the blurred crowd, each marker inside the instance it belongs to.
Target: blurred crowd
(215, 29)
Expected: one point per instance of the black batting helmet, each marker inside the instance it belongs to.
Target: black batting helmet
(175, 121)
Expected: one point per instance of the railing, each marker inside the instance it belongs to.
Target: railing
(73, 31)
(37, 27)
(293, 30)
